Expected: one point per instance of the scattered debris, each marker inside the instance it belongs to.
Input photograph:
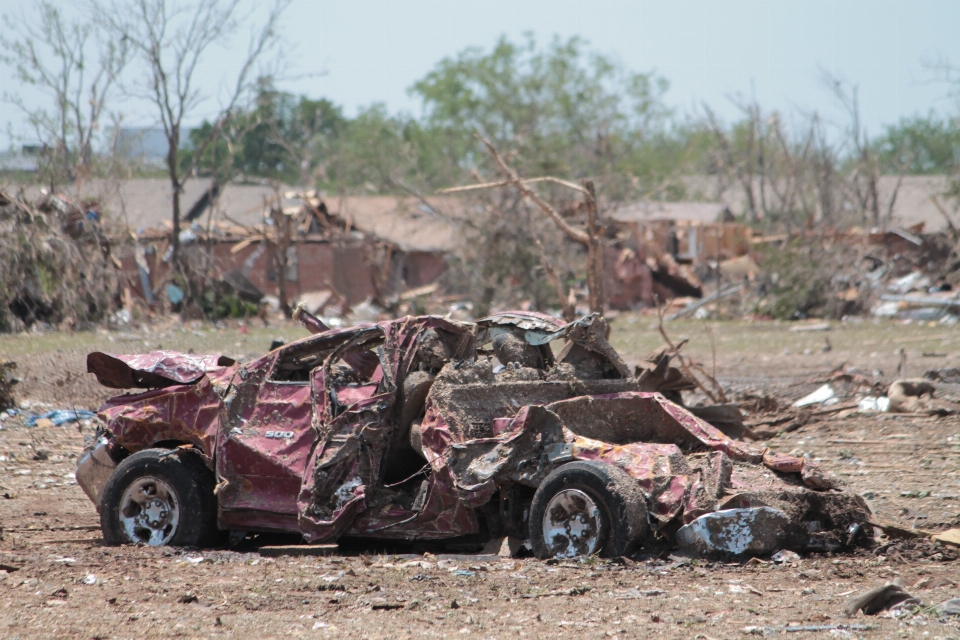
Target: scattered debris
(297, 550)
(871, 404)
(60, 267)
(716, 295)
(820, 396)
(910, 396)
(785, 555)
(805, 628)
(752, 531)
(58, 417)
(895, 530)
(950, 376)
(949, 607)
(812, 326)
(316, 302)
(950, 536)
(879, 599)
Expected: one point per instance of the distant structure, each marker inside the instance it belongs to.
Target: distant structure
(146, 145)
(25, 159)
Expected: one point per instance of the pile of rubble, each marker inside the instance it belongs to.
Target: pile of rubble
(299, 252)
(58, 265)
(900, 273)
(920, 276)
(845, 392)
(65, 263)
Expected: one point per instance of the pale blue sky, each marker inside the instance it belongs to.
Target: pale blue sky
(373, 50)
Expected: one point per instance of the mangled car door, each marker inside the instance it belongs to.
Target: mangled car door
(351, 397)
(266, 437)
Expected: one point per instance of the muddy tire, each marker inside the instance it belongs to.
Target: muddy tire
(157, 497)
(585, 508)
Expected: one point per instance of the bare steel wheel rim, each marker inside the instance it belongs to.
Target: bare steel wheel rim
(572, 524)
(149, 511)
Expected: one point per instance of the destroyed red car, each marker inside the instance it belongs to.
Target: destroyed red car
(424, 428)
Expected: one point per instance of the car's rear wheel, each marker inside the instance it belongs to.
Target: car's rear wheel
(586, 508)
(158, 497)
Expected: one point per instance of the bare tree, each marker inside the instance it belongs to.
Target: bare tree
(823, 164)
(789, 172)
(761, 154)
(59, 57)
(943, 71)
(589, 236)
(172, 40)
(865, 176)
(741, 165)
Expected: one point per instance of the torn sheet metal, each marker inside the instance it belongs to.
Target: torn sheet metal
(152, 370)
(536, 328)
(525, 320)
(179, 414)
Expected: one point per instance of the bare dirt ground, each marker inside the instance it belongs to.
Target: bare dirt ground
(58, 580)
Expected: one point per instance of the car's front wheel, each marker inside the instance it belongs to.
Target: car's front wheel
(157, 497)
(586, 508)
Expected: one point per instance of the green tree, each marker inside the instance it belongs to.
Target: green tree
(282, 137)
(375, 151)
(563, 109)
(922, 145)
(560, 110)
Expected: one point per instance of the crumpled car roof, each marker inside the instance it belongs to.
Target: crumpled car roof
(152, 370)
(527, 320)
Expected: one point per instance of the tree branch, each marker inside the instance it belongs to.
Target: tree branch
(576, 235)
(504, 183)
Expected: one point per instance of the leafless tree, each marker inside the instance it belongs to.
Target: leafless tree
(790, 172)
(590, 236)
(60, 57)
(739, 161)
(824, 171)
(865, 175)
(943, 71)
(172, 40)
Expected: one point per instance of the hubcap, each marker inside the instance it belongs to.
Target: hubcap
(149, 511)
(572, 524)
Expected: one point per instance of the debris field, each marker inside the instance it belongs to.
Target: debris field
(59, 579)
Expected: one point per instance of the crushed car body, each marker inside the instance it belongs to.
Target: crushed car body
(423, 428)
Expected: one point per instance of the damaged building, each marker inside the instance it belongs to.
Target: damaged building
(342, 251)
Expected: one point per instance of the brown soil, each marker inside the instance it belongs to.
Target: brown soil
(58, 580)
